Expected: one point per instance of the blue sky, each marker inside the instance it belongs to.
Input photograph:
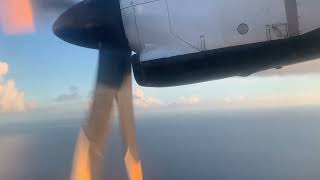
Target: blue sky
(45, 68)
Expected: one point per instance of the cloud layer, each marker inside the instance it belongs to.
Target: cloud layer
(311, 67)
(187, 101)
(277, 100)
(11, 99)
(141, 100)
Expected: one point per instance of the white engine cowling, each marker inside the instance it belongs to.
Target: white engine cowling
(164, 31)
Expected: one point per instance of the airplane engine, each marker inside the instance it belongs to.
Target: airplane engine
(181, 42)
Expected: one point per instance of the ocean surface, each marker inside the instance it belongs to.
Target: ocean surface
(281, 144)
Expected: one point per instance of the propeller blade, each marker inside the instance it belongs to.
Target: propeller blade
(98, 24)
(128, 129)
(16, 16)
(93, 136)
(113, 67)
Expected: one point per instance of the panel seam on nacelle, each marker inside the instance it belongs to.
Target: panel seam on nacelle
(135, 22)
(172, 32)
(133, 4)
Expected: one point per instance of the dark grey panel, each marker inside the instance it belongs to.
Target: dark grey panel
(292, 17)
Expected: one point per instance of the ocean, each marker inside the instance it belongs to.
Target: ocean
(273, 144)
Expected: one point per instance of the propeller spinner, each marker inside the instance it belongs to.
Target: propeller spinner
(98, 24)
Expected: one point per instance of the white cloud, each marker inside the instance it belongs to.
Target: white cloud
(307, 98)
(141, 100)
(11, 99)
(311, 67)
(187, 101)
(4, 68)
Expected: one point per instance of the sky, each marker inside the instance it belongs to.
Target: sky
(40, 73)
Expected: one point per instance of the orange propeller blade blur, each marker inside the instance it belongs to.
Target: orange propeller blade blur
(16, 16)
(133, 166)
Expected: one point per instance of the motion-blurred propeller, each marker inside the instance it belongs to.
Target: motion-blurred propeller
(98, 24)
(18, 16)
